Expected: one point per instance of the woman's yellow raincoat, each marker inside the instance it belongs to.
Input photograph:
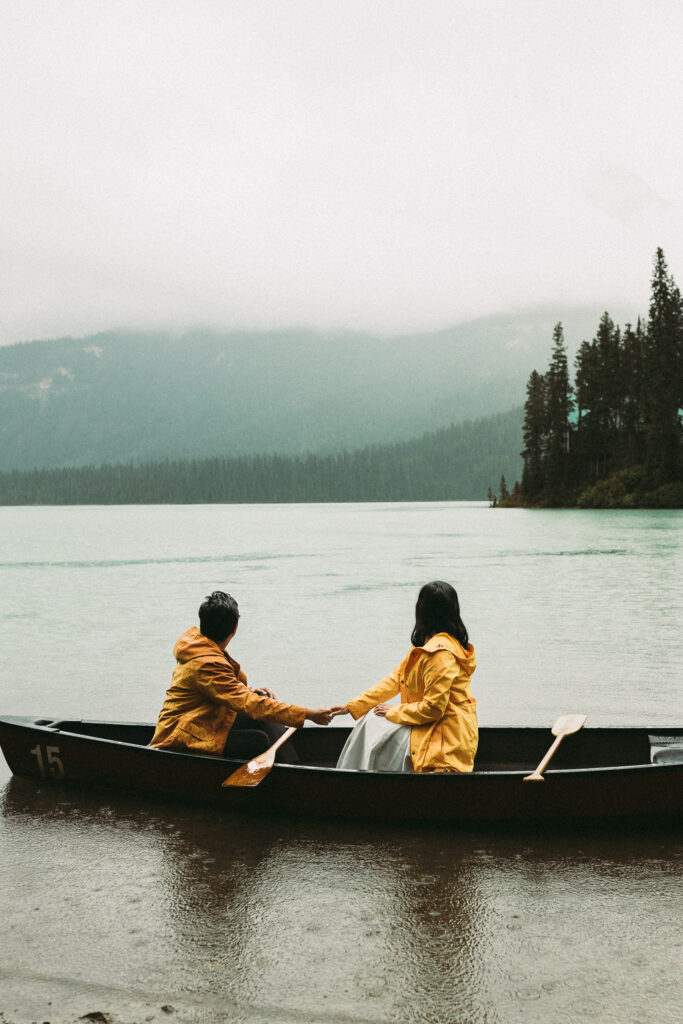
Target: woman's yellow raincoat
(436, 701)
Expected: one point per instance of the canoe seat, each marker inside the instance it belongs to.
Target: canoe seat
(666, 749)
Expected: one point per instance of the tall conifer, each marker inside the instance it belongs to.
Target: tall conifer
(534, 433)
(633, 372)
(559, 406)
(664, 376)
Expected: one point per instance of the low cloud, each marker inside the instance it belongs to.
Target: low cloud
(623, 195)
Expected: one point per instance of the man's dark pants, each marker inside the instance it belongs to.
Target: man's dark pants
(248, 738)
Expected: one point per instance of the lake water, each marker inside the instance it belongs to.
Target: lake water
(122, 906)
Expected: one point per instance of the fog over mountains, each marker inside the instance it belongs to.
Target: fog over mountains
(135, 397)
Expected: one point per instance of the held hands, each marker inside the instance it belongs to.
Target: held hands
(321, 716)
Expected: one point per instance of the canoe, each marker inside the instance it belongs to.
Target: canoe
(601, 775)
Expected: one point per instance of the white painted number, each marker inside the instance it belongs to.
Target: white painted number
(56, 766)
(54, 762)
(38, 754)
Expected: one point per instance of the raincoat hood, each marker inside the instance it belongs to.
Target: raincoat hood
(465, 656)
(193, 644)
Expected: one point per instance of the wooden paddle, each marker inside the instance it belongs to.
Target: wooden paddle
(254, 771)
(564, 726)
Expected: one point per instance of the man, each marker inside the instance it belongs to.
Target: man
(209, 708)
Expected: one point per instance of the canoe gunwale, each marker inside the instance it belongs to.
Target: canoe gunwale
(51, 727)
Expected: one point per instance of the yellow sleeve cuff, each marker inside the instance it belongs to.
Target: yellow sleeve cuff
(358, 708)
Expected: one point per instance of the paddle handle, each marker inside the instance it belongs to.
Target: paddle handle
(283, 739)
(537, 776)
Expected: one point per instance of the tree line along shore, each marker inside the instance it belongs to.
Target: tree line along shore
(451, 464)
(610, 439)
(613, 438)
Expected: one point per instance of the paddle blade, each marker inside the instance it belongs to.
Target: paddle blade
(251, 773)
(567, 724)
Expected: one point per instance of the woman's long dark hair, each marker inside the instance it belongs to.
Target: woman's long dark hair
(438, 611)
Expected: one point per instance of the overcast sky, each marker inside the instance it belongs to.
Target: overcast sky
(333, 163)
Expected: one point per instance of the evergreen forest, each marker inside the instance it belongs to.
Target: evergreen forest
(454, 463)
(612, 438)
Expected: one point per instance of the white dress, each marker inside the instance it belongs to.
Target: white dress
(377, 745)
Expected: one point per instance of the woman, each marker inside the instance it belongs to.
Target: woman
(434, 728)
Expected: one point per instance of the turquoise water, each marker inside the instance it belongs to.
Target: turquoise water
(124, 906)
(568, 611)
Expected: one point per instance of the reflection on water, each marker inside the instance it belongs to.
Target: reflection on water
(123, 906)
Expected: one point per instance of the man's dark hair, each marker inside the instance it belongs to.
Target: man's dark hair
(218, 616)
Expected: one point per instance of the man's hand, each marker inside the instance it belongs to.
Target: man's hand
(321, 716)
(381, 710)
(339, 709)
(263, 691)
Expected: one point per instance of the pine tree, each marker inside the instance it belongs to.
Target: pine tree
(633, 370)
(608, 340)
(588, 415)
(534, 435)
(606, 391)
(559, 406)
(664, 375)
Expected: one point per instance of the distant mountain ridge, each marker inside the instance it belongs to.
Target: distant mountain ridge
(138, 397)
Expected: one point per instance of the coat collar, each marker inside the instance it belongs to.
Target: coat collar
(465, 656)
(193, 644)
(443, 642)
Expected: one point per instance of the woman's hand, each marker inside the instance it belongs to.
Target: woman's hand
(381, 710)
(340, 709)
(263, 691)
(321, 716)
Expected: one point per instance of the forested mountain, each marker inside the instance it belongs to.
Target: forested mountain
(141, 397)
(458, 462)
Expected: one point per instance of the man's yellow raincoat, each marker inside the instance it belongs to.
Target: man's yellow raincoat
(436, 701)
(207, 690)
